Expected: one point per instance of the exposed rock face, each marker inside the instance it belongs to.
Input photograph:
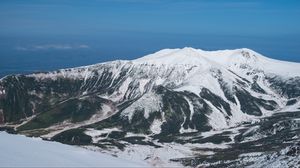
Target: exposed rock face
(1, 117)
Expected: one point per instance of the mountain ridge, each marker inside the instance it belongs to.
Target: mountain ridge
(192, 73)
(173, 95)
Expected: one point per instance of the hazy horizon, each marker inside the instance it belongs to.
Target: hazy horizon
(47, 35)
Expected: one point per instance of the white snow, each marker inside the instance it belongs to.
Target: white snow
(292, 108)
(209, 146)
(152, 105)
(225, 58)
(21, 151)
(216, 118)
(96, 134)
(156, 126)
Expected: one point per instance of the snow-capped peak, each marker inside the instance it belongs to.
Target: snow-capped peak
(230, 59)
(188, 55)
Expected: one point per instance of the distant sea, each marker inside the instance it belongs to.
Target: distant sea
(27, 54)
(28, 62)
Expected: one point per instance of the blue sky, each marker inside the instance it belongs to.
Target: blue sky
(126, 29)
(215, 17)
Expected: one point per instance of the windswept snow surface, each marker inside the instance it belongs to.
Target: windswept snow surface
(231, 59)
(21, 151)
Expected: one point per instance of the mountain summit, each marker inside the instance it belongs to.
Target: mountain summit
(187, 96)
(225, 58)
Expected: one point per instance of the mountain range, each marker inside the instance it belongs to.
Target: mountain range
(175, 107)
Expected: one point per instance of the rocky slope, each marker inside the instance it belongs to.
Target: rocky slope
(172, 101)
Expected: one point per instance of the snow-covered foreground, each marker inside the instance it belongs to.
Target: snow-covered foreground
(21, 151)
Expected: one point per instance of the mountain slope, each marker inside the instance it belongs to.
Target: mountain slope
(19, 151)
(171, 92)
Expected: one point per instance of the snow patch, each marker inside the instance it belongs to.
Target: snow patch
(152, 105)
(156, 126)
